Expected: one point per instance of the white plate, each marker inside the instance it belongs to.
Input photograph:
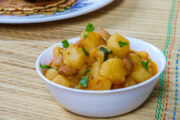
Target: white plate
(81, 7)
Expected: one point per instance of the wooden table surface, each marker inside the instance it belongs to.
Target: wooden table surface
(24, 95)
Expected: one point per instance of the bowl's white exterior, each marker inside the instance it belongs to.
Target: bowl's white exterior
(105, 103)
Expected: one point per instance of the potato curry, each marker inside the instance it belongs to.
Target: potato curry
(99, 61)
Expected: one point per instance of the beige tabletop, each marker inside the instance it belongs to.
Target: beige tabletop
(24, 95)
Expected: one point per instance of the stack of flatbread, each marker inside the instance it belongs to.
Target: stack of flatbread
(26, 7)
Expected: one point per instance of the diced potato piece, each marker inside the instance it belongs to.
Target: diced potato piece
(130, 82)
(67, 70)
(57, 51)
(51, 74)
(101, 54)
(153, 68)
(93, 40)
(133, 51)
(98, 83)
(81, 72)
(114, 70)
(74, 81)
(104, 34)
(79, 44)
(94, 56)
(111, 56)
(93, 53)
(57, 62)
(113, 44)
(74, 57)
(135, 58)
(139, 73)
(128, 64)
(114, 86)
(143, 54)
(61, 80)
(95, 69)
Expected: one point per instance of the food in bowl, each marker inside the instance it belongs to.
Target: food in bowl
(99, 61)
(103, 103)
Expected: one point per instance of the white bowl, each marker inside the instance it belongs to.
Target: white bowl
(110, 102)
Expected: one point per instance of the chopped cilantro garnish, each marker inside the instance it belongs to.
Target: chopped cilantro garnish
(86, 72)
(146, 64)
(89, 28)
(85, 52)
(45, 66)
(83, 82)
(106, 52)
(139, 56)
(121, 44)
(85, 34)
(65, 43)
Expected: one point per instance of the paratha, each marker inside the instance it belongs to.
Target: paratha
(22, 7)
